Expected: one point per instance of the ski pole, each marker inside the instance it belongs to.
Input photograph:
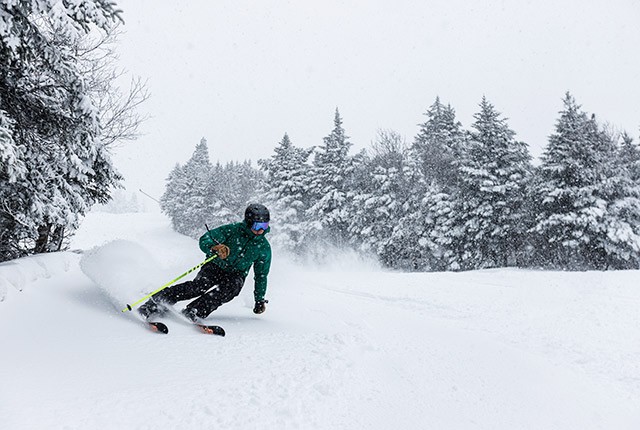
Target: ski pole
(151, 197)
(211, 237)
(131, 306)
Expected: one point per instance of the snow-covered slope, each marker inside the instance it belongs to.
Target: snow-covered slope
(347, 347)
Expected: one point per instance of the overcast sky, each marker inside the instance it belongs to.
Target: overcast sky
(242, 73)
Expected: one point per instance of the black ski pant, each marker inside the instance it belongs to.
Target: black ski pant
(227, 286)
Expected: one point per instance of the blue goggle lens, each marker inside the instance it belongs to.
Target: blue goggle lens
(260, 226)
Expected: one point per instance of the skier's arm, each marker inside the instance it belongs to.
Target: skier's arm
(212, 238)
(261, 270)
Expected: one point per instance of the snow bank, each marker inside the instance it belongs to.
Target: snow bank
(21, 273)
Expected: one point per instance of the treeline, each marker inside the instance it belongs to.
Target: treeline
(453, 199)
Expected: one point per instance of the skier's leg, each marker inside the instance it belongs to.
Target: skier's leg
(171, 295)
(184, 291)
(229, 286)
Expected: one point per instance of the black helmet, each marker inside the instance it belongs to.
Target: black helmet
(256, 212)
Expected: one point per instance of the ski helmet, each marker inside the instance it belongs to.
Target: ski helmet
(256, 212)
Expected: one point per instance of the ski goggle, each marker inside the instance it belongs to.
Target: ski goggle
(257, 226)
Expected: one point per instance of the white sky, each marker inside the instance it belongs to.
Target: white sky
(242, 73)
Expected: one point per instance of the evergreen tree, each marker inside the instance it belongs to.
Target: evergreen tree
(630, 157)
(238, 184)
(217, 208)
(425, 228)
(620, 235)
(185, 199)
(331, 176)
(489, 214)
(171, 202)
(286, 193)
(438, 145)
(588, 205)
(565, 221)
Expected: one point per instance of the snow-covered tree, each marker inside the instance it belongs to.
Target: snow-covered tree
(286, 193)
(587, 203)
(185, 198)
(438, 145)
(630, 156)
(621, 190)
(331, 176)
(381, 198)
(170, 202)
(489, 219)
(54, 163)
(433, 171)
(235, 186)
(200, 193)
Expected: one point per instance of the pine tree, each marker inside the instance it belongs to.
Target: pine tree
(566, 211)
(286, 193)
(438, 145)
(587, 204)
(219, 195)
(630, 157)
(620, 237)
(331, 176)
(425, 228)
(489, 214)
(185, 198)
(237, 184)
(171, 201)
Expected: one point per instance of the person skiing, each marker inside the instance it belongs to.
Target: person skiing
(238, 247)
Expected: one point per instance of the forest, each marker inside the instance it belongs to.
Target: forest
(453, 199)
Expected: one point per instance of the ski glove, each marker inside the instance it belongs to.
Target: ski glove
(221, 250)
(260, 306)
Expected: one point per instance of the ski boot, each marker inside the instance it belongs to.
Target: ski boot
(191, 314)
(152, 308)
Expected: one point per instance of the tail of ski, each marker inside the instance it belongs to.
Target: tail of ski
(158, 327)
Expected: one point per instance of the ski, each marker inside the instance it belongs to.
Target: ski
(204, 328)
(211, 329)
(157, 327)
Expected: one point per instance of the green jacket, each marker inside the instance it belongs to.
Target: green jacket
(245, 249)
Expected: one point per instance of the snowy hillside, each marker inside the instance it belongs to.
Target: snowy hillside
(346, 347)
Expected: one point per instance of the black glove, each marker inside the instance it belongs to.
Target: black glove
(261, 306)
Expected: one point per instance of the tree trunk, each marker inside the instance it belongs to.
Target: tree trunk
(43, 239)
(56, 239)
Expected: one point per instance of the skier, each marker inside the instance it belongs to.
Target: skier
(238, 247)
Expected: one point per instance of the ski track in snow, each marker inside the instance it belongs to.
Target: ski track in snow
(336, 349)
